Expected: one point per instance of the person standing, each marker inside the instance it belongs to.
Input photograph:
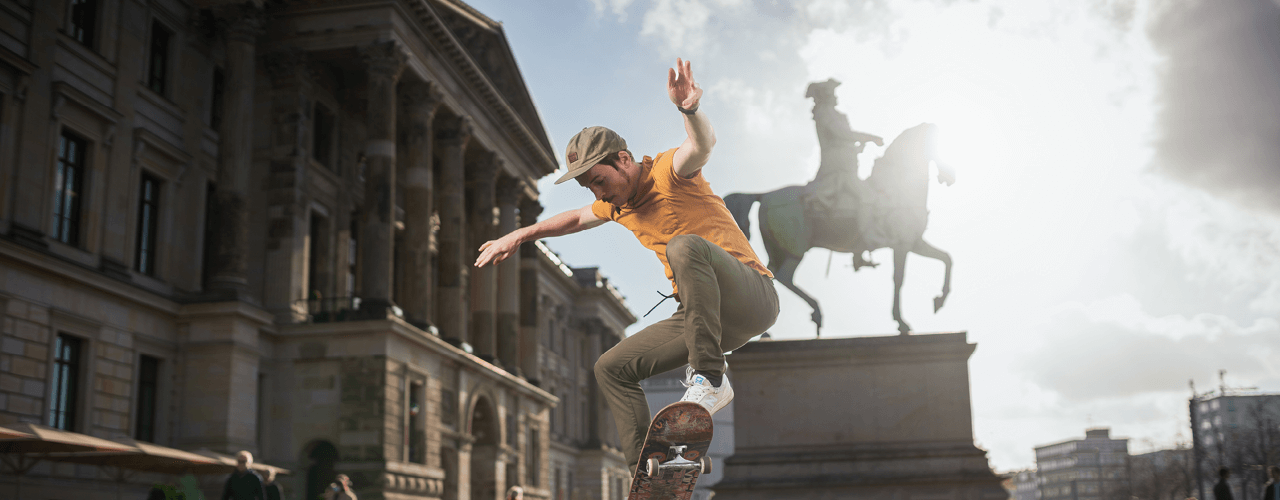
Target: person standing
(726, 296)
(1222, 490)
(515, 493)
(274, 492)
(340, 489)
(1272, 490)
(244, 483)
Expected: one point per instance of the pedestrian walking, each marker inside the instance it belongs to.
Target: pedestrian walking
(340, 489)
(244, 483)
(272, 488)
(1272, 490)
(1222, 490)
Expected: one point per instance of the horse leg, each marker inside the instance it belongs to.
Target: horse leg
(899, 268)
(924, 249)
(785, 273)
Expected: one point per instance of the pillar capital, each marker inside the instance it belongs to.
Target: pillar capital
(286, 64)
(240, 22)
(384, 60)
(456, 132)
(509, 189)
(530, 209)
(420, 99)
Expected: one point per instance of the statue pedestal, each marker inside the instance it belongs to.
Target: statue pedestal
(885, 418)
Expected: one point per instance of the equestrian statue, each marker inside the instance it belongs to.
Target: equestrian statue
(841, 212)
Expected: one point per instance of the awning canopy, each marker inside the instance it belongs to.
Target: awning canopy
(34, 438)
(147, 457)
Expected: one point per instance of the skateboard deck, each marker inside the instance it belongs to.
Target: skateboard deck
(674, 453)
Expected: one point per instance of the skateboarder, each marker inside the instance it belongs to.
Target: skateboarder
(725, 294)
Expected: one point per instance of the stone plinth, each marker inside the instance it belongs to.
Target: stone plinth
(862, 418)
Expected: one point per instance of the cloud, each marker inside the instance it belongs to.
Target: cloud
(1112, 349)
(617, 7)
(1219, 126)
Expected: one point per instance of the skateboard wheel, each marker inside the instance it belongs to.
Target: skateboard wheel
(706, 464)
(653, 464)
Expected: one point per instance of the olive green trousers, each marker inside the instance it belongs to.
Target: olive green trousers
(723, 304)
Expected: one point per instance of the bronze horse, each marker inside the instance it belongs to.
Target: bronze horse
(895, 196)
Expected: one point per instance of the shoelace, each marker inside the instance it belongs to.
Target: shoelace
(655, 306)
(698, 390)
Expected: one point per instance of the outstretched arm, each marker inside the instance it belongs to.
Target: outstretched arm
(567, 222)
(686, 94)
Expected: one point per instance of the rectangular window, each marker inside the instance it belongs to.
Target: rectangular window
(148, 214)
(148, 390)
(417, 436)
(158, 76)
(353, 251)
(322, 136)
(84, 21)
(210, 234)
(217, 98)
(533, 456)
(317, 258)
(68, 187)
(66, 383)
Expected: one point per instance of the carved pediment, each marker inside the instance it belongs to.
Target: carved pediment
(487, 45)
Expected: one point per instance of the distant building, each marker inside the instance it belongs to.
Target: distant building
(1163, 475)
(1024, 484)
(1093, 468)
(1239, 430)
(581, 316)
(664, 389)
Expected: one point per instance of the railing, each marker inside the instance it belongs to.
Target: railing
(332, 310)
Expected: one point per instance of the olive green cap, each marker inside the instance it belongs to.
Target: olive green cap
(588, 147)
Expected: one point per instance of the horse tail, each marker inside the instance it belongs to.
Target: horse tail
(739, 204)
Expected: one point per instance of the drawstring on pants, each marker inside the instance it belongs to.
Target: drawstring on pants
(655, 306)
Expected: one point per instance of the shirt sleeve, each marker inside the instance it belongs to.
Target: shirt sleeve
(602, 210)
(665, 170)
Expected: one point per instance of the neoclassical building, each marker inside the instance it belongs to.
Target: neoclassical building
(249, 225)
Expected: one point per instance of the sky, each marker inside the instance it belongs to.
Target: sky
(1115, 223)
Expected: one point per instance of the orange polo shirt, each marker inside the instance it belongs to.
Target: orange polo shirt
(668, 205)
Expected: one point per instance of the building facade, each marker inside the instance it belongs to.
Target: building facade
(1239, 430)
(583, 315)
(1093, 468)
(249, 225)
(1163, 474)
(1025, 485)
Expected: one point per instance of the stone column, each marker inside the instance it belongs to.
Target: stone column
(285, 273)
(482, 178)
(419, 100)
(509, 190)
(385, 61)
(529, 313)
(451, 317)
(230, 218)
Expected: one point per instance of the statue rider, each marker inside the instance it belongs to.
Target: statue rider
(837, 191)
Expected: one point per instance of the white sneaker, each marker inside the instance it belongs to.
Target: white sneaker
(702, 392)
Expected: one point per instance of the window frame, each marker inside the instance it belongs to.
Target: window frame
(146, 239)
(72, 375)
(84, 34)
(167, 58)
(69, 212)
(139, 410)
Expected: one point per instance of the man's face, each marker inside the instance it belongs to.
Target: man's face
(610, 184)
(243, 462)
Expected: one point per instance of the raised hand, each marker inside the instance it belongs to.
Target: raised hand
(681, 87)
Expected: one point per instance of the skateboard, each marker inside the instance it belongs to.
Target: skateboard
(674, 453)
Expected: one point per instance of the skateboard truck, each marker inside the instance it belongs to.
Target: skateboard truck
(655, 465)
